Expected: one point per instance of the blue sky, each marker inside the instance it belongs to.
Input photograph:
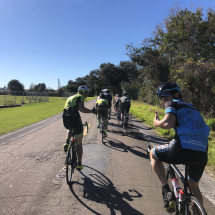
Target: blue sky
(42, 41)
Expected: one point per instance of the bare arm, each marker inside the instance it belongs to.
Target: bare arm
(167, 123)
(83, 109)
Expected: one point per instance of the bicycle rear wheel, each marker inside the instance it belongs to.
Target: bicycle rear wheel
(103, 133)
(71, 163)
(126, 124)
(195, 207)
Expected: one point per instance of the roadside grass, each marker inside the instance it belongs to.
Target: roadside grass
(146, 114)
(18, 117)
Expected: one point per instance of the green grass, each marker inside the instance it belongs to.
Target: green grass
(18, 117)
(146, 114)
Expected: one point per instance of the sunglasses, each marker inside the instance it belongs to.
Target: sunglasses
(164, 95)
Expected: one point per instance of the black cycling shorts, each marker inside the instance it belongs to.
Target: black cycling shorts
(78, 128)
(109, 104)
(125, 107)
(102, 111)
(173, 153)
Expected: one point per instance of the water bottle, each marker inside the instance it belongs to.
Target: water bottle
(181, 196)
(176, 186)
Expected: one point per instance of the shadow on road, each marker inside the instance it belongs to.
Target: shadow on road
(134, 132)
(98, 188)
(120, 146)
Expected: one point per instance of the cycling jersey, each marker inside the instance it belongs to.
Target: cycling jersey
(73, 101)
(102, 105)
(190, 126)
(75, 120)
(109, 98)
(125, 103)
(102, 102)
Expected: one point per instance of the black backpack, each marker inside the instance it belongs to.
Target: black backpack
(70, 117)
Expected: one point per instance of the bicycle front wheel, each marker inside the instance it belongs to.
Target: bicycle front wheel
(71, 162)
(194, 207)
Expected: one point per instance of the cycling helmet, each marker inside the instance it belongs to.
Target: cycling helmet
(102, 96)
(124, 94)
(167, 87)
(107, 91)
(84, 89)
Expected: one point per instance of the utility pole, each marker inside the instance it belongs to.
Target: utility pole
(59, 85)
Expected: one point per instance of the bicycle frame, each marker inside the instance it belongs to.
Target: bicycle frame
(184, 198)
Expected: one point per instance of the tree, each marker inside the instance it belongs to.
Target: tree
(15, 85)
(181, 50)
(41, 87)
(31, 87)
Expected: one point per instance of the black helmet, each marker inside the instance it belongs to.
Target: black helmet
(102, 96)
(107, 91)
(124, 94)
(167, 87)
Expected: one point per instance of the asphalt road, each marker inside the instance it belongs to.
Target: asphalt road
(117, 177)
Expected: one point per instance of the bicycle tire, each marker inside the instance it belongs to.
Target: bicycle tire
(193, 206)
(169, 181)
(71, 163)
(103, 132)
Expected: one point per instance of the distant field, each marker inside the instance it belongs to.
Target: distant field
(18, 117)
(11, 99)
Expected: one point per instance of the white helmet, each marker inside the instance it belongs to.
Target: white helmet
(84, 89)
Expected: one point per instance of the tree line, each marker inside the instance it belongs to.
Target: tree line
(180, 50)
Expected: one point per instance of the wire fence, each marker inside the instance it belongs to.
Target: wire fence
(65, 96)
(8, 98)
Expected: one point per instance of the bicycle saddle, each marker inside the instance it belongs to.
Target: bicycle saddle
(190, 163)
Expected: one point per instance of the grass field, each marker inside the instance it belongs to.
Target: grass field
(146, 114)
(18, 117)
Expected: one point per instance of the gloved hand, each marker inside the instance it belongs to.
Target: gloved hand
(94, 110)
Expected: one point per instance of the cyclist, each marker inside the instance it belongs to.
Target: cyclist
(109, 98)
(115, 99)
(189, 144)
(77, 102)
(117, 108)
(98, 97)
(125, 104)
(102, 107)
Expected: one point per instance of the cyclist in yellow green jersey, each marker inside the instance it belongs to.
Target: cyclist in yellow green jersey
(76, 104)
(102, 107)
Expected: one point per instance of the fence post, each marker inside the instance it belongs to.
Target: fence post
(15, 97)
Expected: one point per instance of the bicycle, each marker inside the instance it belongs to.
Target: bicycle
(187, 204)
(109, 112)
(125, 124)
(118, 116)
(102, 128)
(71, 158)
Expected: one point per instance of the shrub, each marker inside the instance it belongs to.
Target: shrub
(211, 123)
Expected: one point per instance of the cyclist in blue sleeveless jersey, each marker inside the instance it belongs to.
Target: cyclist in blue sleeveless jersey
(189, 144)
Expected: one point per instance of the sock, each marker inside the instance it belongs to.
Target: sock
(79, 164)
(166, 187)
(105, 131)
(98, 121)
